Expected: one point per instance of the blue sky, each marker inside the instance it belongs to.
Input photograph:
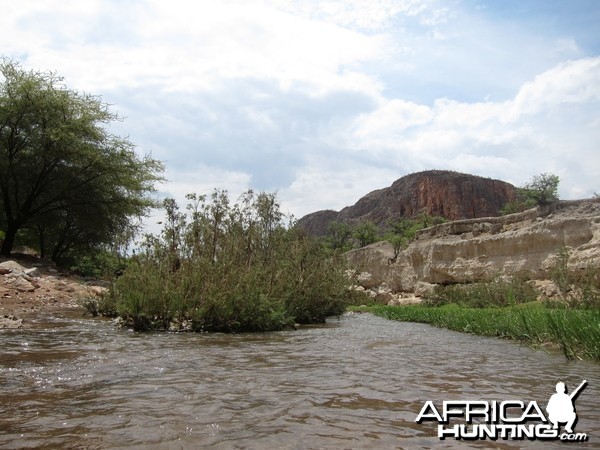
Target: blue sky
(326, 101)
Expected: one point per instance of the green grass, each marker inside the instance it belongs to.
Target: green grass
(576, 332)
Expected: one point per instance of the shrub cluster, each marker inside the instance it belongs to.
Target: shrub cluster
(497, 293)
(230, 268)
(399, 232)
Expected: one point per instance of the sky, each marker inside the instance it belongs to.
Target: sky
(325, 101)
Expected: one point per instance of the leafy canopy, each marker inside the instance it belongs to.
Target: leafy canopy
(542, 190)
(64, 177)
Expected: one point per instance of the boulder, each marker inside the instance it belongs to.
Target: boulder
(422, 289)
(20, 284)
(383, 294)
(34, 272)
(405, 300)
(367, 280)
(8, 321)
(373, 265)
(7, 267)
(546, 288)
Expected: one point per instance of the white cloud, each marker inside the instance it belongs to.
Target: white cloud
(569, 82)
(325, 101)
(332, 183)
(203, 179)
(553, 127)
(355, 14)
(189, 46)
(392, 118)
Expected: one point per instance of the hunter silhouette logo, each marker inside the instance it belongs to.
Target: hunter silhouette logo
(560, 407)
(510, 419)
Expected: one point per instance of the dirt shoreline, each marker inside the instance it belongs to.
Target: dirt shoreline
(30, 287)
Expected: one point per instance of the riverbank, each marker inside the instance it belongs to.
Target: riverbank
(574, 331)
(30, 287)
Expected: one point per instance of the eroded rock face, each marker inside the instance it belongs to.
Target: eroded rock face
(471, 250)
(443, 193)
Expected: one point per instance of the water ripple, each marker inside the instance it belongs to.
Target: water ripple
(357, 382)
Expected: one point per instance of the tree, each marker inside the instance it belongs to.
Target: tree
(339, 233)
(365, 233)
(398, 243)
(403, 230)
(542, 190)
(63, 175)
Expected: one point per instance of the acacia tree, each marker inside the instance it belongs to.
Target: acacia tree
(62, 172)
(365, 233)
(339, 234)
(542, 190)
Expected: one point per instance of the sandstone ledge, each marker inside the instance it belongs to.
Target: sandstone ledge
(483, 249)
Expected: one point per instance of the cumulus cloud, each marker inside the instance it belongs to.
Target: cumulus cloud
(549, 126)
(570, 82)
(326, 101)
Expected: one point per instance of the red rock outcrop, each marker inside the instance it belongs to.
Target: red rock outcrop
(452, 195)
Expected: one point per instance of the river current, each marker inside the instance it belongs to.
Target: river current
(358, 381)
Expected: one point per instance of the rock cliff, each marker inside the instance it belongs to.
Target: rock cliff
(438, 193)
(482, 249)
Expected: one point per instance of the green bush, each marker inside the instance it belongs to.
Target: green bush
(542, 190)
(402, 231)
(497, 293)
(230, 268)
(365, 233)
(96, 264)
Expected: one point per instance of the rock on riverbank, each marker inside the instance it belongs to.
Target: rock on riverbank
(30, 287)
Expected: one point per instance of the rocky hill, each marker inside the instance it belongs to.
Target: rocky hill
(448, 194)
(476, 250)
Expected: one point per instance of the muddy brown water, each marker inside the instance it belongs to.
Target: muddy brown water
(358, 381)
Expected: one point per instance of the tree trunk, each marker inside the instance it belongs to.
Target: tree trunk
(60, 245)
(42, 241)
(9, 239)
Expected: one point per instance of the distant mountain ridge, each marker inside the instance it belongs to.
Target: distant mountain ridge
(449, 194)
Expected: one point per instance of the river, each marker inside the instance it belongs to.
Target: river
(358, 381)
